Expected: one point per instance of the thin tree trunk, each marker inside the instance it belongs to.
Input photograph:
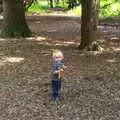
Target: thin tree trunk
(51, 3)
(29, 4)
(14, 23)
(1, 8)
(90, 10)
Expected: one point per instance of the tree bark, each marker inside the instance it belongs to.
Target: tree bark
(51, 3)
(1, 8)
(14, 23)
(90, 11)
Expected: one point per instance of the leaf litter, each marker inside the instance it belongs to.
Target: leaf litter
(91, 87)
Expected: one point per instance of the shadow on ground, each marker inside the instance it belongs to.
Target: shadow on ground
(90, 91)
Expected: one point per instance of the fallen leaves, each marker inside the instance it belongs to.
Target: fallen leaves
(91, 87)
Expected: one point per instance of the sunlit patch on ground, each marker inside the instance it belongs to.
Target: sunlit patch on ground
(40, 38)
(1, 39)
(112, 60)
(30, 38)
(37, 22)
(12, 59)
(116, 49)
(65, 43)
(115, 38)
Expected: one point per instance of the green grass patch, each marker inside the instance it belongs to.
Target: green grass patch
(77, 11)
(42, 7)
(108, 11)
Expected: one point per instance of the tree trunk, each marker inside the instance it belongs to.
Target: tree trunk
(14, 23)
(1, 8)
(51, 3)
(90, 11)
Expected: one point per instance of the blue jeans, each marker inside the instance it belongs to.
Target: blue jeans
(56, 86)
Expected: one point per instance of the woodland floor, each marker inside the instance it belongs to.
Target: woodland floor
(91, 87)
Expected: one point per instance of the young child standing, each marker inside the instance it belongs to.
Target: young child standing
(57, 73)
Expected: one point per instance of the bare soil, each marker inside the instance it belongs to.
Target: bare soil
(91, 86)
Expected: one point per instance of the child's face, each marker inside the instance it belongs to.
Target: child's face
(57, 55)
(58, 59)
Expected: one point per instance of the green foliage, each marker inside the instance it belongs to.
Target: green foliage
(41, 7)
(62, 4)
(109, 8)
(76, 11)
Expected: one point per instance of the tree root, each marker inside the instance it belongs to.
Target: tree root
(93, 47)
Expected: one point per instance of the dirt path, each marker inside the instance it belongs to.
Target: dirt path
(90, 91)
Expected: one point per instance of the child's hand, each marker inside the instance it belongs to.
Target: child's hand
(61, 73)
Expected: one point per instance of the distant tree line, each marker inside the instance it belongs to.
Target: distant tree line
(71, 3)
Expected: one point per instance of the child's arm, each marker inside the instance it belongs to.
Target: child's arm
(60, 72)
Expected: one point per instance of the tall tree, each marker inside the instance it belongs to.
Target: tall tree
(14, 23)
(1, 8)
(90, 11)
(51, 3)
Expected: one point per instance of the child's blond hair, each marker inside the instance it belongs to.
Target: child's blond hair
(57, 55)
